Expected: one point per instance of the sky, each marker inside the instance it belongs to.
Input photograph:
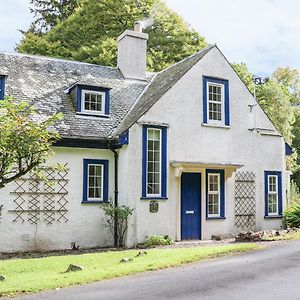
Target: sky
(265, 34)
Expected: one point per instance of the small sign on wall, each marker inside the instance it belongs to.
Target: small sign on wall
(153, 206)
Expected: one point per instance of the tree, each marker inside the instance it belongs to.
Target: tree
(24, 142)
(47, 13)
(89, 33)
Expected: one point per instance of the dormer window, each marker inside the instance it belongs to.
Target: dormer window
(93, 102)
(90, 100)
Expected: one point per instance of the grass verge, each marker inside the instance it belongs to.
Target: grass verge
(288, 236)
(33, 275)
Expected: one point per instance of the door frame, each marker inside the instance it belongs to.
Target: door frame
(203, 202)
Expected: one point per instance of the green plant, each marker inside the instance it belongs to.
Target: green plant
(292, 215)
(25, 143)
(117, 217)
(158, 240)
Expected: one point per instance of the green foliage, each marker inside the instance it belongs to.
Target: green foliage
(158, 240)
(47, 13)
(292, 215)
(294, 193)
(243, 72)
(271, 96)
(119, 214)
(89, 33)
(25, 143)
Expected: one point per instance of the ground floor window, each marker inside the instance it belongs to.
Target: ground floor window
(95, 180)
(215, 202)
(273, 193)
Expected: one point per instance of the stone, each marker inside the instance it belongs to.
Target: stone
(141, 253)
(126, 260)
(2, 278)
(74, 268)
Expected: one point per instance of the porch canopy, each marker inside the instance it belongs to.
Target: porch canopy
(196, 166)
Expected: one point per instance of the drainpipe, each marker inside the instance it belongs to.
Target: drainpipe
(116, 191)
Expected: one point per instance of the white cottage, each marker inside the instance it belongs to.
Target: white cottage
(188, 148)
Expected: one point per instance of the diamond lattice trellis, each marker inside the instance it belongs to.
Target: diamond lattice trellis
(245, 200)
(42, 199)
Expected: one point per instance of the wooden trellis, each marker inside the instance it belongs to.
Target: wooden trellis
(245, 200)
(42, 199)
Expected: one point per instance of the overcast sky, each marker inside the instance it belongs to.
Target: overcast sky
(264, 34)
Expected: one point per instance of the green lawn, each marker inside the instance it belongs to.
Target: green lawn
(288, 236)
(32, 275)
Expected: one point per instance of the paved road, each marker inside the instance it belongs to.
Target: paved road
(272, 273)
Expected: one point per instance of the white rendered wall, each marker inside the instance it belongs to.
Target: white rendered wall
(84, 220)
(182, 108)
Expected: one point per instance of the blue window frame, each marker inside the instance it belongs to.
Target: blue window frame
(154, 162)
(2, 87)
(215, 101)
(215, 194)
(91, 100)
(273, 194)
(95, 180)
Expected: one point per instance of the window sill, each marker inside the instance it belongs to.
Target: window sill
(274, 217)
(154, 198)
(215, 125)
(94, 202)
(215, 218)
(85, 114)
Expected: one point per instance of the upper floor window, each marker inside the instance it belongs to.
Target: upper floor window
(2, 87)
(215, 101)
(154, 162)
(93, 102)
(273, 193)
(90, 100)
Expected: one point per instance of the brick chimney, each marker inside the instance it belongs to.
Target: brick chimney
(132, 53)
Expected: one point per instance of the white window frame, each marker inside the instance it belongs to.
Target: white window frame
(160, 158)
(273, 193)
(214, 193)
(88, 182)
(93, 112)
(216, 122)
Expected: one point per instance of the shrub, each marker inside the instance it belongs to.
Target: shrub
(119, 214)
(158, 240)
(292, 216)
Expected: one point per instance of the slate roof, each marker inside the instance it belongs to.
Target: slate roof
(44, 81)
(157, 87)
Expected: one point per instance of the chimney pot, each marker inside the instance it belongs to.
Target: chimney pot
(138, 27)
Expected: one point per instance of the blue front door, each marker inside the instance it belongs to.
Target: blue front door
(190, 206)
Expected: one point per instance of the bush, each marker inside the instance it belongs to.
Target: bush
(158, 240)
(119, 214)
(292, 216)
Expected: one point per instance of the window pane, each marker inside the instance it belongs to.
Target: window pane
(215, 102)
(272, 205)
(153, 163)
(95, 181)
(92, 101)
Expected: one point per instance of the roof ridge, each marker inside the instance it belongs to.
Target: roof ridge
(189, 57)
(55, 59)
